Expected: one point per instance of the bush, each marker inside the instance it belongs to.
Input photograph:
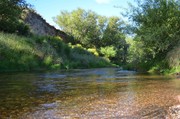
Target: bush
(16, 53)
(108, 51)
(94, 51)
(19, 53)
(23, 29)
(48, 60)
(10, 21)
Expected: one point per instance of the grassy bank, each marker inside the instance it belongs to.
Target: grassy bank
(143, 59)
(35, 53)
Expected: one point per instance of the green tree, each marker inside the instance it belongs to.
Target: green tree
(81, 24)
(95, 31)
(10, 13)
(108, 51)
(113, 35)
(156, 24)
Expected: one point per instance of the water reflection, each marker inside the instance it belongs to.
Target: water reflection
(88, 93)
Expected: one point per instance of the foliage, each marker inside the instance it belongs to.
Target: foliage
(157, 30)
(108, 51)
(10, 14)
(94, 51)
(80, 24)
(139, 56)
(93, 31)
(173, 57)
(34, 53)
(16, 53)
(113, 34)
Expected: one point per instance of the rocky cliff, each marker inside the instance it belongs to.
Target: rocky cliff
(39, 26)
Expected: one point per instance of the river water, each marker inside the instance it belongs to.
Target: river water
(87, 93)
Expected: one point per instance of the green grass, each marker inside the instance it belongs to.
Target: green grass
(19, 53)
(172, 70)
(171, 64)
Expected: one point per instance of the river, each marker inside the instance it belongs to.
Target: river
(86, 93)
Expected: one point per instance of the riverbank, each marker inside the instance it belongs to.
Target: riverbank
(19, 53)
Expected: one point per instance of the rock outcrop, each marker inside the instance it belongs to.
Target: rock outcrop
(39, 26)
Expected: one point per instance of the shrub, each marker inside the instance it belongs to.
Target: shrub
(10, 21)
(94, 51)
(48, 60)
(19, 53)
(108, 51)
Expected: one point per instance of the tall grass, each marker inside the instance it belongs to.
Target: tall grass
(19, 53)
(16, 53)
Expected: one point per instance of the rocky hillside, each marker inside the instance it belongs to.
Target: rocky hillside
(39, 26)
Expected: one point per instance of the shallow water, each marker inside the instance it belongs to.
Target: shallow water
(90, 93)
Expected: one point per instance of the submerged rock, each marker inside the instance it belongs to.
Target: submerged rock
(53, 76)
(50, 105)
(174, 112)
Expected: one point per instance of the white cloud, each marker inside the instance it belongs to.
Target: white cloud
(103, 1)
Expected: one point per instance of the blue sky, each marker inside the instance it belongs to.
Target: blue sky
(51, 8)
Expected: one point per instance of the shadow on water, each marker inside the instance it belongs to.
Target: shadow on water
(87, 93)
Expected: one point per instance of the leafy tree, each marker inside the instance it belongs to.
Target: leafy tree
(10, 13)
(95, 31)
(138, 56)
(108, 51)
(156, 24)
(113, 35)
(81, 24)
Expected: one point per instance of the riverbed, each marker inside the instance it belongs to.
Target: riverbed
(87, 93)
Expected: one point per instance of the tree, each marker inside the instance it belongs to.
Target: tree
(113, 35)
(10, 13)
(156, 24)
(81, 24)
(108, 51)
(95, 31)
